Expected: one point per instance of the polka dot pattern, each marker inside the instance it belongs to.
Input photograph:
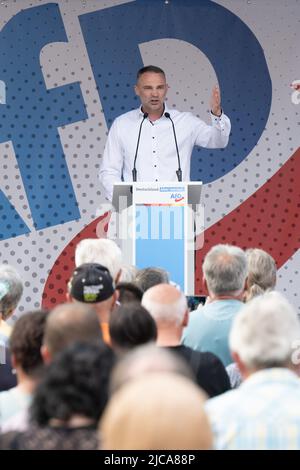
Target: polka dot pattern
(32, 114)
(115, 63)
(56, 285)
(64, 61)
(269, 219)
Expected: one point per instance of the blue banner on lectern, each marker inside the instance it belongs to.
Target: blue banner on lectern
(160, 239)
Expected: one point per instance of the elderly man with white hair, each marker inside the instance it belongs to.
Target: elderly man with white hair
(264, 412)
(101, 251)
(224, 277)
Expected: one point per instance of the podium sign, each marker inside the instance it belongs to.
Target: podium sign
(171, 194)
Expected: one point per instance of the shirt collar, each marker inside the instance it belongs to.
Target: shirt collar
(141, 113)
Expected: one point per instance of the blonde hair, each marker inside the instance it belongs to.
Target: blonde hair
(261, 273)
(159, 411)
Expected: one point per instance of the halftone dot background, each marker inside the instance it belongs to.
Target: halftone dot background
(76, 140)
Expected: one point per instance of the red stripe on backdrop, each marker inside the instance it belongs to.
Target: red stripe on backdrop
(56, 284)
(269, 219)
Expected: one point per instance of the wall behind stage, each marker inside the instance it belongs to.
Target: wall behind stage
(67, 70)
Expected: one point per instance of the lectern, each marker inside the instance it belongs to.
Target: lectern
(161, 224)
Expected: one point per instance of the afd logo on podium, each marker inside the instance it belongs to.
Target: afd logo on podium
(177, 197)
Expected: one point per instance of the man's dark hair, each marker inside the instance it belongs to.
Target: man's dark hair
(150, 68)
(129, 292)
(76, 382)
(26, 340)
(131, 325)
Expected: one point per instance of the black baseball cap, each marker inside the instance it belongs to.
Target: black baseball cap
(91, 283)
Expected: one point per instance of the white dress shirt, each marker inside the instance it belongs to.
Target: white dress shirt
(157, 157)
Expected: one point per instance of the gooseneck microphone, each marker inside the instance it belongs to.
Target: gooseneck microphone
(178, 172)
(134, 172)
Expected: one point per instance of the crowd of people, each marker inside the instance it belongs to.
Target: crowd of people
(124, 363)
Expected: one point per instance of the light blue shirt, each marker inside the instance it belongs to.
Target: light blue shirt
(263, 413)
(209, 326)
(12, 402)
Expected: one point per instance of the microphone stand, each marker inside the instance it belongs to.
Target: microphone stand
(179, 171)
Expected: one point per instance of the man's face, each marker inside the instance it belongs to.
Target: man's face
(152, 89)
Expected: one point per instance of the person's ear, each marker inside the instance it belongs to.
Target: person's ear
(185, 319)
(204, 283)
(118, 277)
(136, 90)
(46, 355)
(8, 313)
(114, 299)
(243, 370)
(116, 295)
(13, 361)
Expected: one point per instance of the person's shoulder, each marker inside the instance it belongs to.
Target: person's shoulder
(202, 311)
(128, 116)
(195, 316)
(176, 113)
(184, 116)
(222, 402)
(5, 331)
(6, 394)
(207, 358)
(212, 359)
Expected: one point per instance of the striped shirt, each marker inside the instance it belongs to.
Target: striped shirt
(263, 413)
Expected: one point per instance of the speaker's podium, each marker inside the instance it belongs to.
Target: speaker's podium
(159, 224)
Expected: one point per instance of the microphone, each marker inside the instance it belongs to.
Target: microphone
(178, 172)
(134, 172)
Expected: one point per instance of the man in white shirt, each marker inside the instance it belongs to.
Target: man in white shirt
(156, 158)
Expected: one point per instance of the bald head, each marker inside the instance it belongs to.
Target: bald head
(165, 303)
(69, 323)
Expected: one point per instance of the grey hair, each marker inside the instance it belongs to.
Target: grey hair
(11, 286)
(128, 273)
(149, 277)
(225, 269)
(261, 272)
(165, 312)
(264, 331)
(102, 251)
